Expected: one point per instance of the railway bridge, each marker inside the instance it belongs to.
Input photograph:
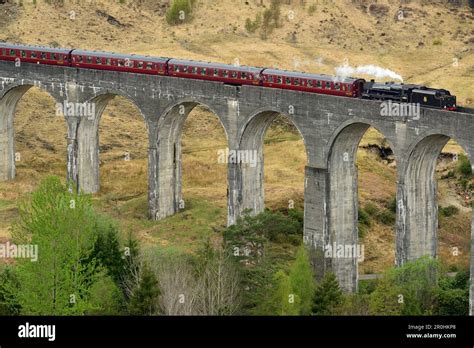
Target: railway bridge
(331, 128)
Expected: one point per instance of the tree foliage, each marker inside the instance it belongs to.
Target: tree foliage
(302, 281)
(327, 295)
(62, 226)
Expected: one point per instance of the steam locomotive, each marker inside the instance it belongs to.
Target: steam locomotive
(230, 74)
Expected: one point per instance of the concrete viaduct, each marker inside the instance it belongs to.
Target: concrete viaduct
(331, 128)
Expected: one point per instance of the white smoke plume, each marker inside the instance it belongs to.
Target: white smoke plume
(372, 70)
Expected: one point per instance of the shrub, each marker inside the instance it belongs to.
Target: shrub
(449, 175)
(253, 231)
(179, 12)
(461, 280)
(371, 209)
(8, 287)
(363, 222)
(298, 216)
(448, 211)
(387, 217)
(464, 166)
(106, 298)
(252, 26)
(392, 205)
(353, 304)
(363, 217)
(416, 282)
(311, 9)
(385, 299)
(453, 302)
(271, 19)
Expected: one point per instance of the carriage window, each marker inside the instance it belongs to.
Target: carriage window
(296, 82)
(12, 52)
(185, 69)
(79, 59)
(310, 83)
(288, 81)
(53, 56)
(226, 73)
(270, 79)
(89, 60)
(234, 74)
(23, 54)
(149, 66)
(328, 84)
(176, 68)
(279, 80)
(140, 65)
(33, 55)
(348, 88)
(318, 84)
(120, 62)
(98, 60)
(108, 61)
(195, 70)
(216, 72)
(4, 52)
(337, 86)
(60, 57)
(243, 75)
(203, 71)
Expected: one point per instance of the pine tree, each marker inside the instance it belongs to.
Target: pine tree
(327, 295)
(144, 300)
(302, 281)
(108, 253)
(283, 299)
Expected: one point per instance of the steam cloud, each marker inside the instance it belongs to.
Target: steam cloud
(373, 70)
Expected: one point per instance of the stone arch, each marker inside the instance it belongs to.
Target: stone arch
(166, 195)
(8, 104)
(343, 198)
(88, 139)
(417, 207)
(419, 235)
(418, 183)
(251, 138)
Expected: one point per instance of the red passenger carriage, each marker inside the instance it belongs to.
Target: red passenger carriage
(34, 54)
(315, 83)
(231, 74)
(119, 62)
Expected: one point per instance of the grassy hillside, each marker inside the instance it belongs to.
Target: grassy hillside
(433, 44)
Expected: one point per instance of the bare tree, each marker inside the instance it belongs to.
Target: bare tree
(178, 287)
(219, 287)
(131, 280)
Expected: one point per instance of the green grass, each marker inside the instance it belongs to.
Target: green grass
(183, 232)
